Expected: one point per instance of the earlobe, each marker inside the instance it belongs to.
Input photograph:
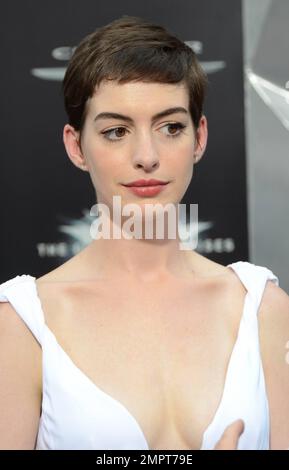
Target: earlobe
(202, 136)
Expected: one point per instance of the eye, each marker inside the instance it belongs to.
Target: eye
(119, 132)
(110, 131)
(176, 126)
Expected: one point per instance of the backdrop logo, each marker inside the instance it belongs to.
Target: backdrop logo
(64, 53)
(76, 233)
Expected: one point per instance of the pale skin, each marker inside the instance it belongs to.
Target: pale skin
(132, 288)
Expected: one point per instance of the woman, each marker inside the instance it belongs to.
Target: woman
(138, 344)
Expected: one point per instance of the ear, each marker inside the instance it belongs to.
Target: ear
(201, 142)
(73, 148)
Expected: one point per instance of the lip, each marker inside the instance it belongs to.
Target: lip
(143, 183)
(147, 191)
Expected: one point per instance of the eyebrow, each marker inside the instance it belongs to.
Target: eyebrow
(166, 112)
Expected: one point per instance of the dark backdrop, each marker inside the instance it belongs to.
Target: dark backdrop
(45, 200)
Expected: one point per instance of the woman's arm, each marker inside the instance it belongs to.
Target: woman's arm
(230, 437)
(274, 343)
(20, 382)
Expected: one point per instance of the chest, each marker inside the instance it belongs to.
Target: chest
(162, 353)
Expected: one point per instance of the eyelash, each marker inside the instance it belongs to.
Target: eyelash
(178, 125)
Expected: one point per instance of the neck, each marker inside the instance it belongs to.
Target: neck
(138, 258)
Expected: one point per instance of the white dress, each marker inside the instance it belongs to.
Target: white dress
(76, 414)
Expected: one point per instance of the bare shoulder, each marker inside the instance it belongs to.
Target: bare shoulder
(14, 332)
(57, 289)
(275, 304)
(21, 381)
(274, 315)
(274, 343)
(51, 285)
(60, 274)
(205, 267)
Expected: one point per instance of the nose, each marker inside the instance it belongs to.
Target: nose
(145, 155)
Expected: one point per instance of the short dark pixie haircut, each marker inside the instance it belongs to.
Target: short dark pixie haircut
(131, 49)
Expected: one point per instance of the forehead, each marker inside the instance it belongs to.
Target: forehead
(138, 97)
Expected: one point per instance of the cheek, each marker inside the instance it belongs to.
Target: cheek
(185, 167)
(99, 158)
(105, 169)
(182, 160)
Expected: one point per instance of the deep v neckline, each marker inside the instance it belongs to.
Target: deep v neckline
(116, 402)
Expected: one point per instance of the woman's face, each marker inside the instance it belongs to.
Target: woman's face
(117, 151)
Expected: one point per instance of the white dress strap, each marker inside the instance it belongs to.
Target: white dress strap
(19, 291)
(254, 278)
(244, 395)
